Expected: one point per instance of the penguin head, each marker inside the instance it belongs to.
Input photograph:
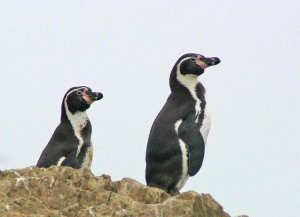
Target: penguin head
(79, 99)
(195, 64)
(188, 67)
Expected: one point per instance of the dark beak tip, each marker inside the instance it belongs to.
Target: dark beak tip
(99, 96)
(96, 96)
(217, 60)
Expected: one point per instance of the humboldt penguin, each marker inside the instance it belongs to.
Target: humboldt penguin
(176, 143)
(70, 144)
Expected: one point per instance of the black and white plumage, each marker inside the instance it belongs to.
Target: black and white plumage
(176, 143)
(70, 144)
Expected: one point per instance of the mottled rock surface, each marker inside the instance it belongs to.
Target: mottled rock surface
(63, 191)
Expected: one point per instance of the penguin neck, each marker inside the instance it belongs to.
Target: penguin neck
(188, 83)
(78, 120)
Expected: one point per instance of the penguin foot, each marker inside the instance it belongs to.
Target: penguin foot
(173, 192)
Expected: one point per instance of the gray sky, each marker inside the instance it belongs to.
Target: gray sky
(126, 50)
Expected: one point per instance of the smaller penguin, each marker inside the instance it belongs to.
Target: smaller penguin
(176, 144)
(70, 144)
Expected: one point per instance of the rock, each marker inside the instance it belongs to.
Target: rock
(63, 191)
(139, 192)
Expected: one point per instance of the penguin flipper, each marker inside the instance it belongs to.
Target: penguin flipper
(191, 136)
(71, 160)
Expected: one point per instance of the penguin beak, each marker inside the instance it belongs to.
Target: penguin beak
(205, 62)
(91, 97)
(95, 95)
(211, 61)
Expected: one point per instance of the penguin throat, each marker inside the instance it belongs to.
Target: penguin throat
(78, 121)
(190, 82)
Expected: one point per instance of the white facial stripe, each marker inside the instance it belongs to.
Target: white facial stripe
(60, 161)
(78, 88)
(78, 121)
(190, 82)
(185, 153)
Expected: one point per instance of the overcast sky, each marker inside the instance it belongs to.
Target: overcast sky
(126, 49)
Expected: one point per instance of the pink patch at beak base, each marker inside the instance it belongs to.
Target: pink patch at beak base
(200, 63)
(88, 99)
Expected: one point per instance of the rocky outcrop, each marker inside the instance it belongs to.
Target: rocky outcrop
(63, 191)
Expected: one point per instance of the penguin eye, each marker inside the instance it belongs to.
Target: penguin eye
(192, 59)
(79, 93)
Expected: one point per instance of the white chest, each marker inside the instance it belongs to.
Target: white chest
(79, 121)
(190, 82)
(204, 129)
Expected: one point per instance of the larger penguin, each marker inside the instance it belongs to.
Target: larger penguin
(70, 144)
(176, 143)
